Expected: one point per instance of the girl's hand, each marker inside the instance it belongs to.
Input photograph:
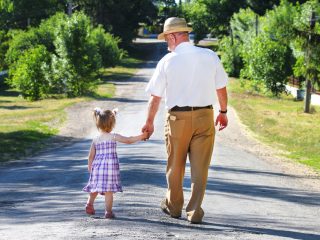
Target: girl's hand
(144, 135)
(89, 168)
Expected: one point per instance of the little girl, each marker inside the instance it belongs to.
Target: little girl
(103, 163)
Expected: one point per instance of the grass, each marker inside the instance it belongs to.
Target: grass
(280, 122)
(127, 68)
(24, 125)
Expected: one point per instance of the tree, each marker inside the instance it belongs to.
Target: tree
(197, 13)
(121, 18)
(23, 13)
(216, 14)
(211, 16)
(278, 23)
(306, 46)
(260, 7)
(167, 8)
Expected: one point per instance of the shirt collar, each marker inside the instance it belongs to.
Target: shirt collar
(182, 46)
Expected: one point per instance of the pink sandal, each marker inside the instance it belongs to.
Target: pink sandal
(109, 215)
(89, 209)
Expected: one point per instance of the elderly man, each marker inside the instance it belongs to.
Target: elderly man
(189, 78)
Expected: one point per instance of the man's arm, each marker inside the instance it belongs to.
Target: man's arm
(222, 119)
(153, 107)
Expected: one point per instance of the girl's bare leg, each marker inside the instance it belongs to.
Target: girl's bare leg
(89, 206)
(92, 197)
(109, 201)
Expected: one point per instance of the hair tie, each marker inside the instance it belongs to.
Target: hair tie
(115, 111)
(98, 110)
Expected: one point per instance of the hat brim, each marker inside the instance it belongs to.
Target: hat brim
(183, 29)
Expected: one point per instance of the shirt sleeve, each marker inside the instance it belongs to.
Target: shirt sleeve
(157, 83)
(221, 75)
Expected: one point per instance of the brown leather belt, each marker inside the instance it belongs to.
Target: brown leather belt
(187, 108)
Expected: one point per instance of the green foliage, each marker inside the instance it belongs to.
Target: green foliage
(278, 23)
(198, 14)
(77, 56)
(43, 35)
(21, 41)
(23, 13)
(301, 21)
(231, 56)
(260, 7)
(243, 25)
(167, 8)
(4, 45)
(27, 74)
(306, 45)
(211, 16)
(243, 30)
(267, 60)
(107, 46)
(121, 18)
(76, 51)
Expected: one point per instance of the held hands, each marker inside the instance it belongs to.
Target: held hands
(222, 121)
(148, 129)
(144, 136)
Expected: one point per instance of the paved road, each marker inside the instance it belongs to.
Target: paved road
(247, 197)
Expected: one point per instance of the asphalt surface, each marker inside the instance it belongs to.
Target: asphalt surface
(246, 198)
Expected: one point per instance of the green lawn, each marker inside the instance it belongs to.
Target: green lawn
(280, 122)
(24, 124)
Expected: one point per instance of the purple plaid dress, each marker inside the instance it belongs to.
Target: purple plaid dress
(105, 174)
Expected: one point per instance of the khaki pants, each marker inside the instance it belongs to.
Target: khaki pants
(188, 133)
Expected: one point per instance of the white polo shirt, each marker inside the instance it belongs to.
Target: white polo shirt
(188, 76)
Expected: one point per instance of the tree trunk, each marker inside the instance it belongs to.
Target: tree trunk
(308, 97)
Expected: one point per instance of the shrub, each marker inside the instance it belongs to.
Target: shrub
(27, 74)
(231, 56)
(77, 61)
(267, 60)
(107, 47)
(75, 52)
(21, 41)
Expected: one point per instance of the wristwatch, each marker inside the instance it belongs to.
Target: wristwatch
(223, 112)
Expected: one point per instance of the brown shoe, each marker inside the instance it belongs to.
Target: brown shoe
(165, 209)
(109, 215)
(89, 209)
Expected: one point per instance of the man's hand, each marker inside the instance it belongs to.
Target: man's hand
(153, 107)
(149, 128)
(222, 121)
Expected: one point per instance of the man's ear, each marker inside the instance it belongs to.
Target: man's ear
(171, 36)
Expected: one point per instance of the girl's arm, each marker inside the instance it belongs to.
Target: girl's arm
(129, 140)
(91, 156)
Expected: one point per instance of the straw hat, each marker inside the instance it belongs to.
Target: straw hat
(174, 24)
